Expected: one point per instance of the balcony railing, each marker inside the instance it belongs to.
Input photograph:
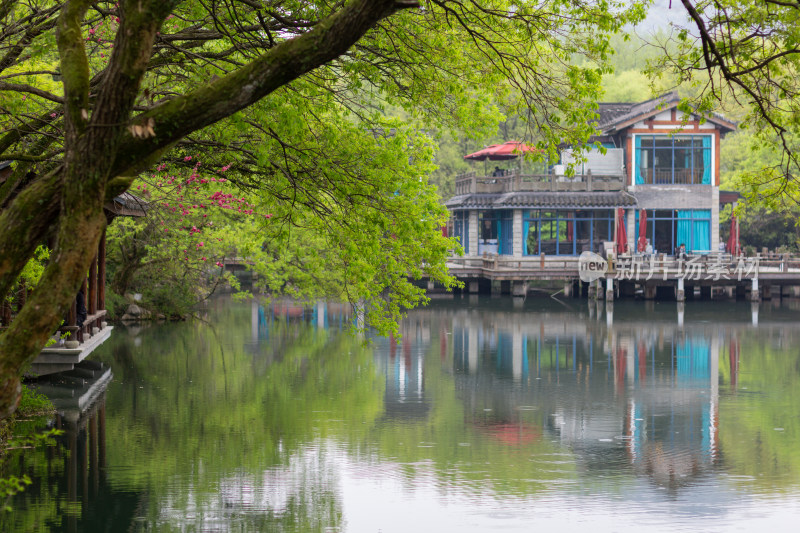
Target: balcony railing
(470, 183)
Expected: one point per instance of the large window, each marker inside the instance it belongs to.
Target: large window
(679, 159)
(461, 228)
(667, 229)
(495, 232)
(566, 232)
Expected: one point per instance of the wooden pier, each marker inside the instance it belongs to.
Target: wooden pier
(664, 277)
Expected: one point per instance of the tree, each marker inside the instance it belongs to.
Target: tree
(143, 80)
(746, 54)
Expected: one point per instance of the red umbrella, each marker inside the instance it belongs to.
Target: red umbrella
(501, 152)
(622, 236)
(641, 244)
(733, 240)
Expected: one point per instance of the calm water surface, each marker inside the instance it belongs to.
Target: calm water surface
(488, 415)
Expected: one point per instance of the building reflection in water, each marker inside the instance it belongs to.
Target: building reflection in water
(79, 397)
(404, 396)
(629, 391)
(322, 315)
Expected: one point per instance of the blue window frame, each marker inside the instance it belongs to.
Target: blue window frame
(677, 159)
(566, 232)
(667, 229)
(461, 228)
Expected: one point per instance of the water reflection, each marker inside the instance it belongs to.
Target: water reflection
(69, 479)
(484, 413)
(638, 395)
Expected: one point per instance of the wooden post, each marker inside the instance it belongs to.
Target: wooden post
(754, 295)
(81, 337)
(91, 297)
(5, 313)
(650, 291)
(101, 273)
(72, 315)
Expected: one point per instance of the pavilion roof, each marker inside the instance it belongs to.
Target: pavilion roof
(541, 200)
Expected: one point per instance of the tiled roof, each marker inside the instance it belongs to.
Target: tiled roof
(535, 200)
(610, 112)
(127, 204)
(472, 201)
(619, 115)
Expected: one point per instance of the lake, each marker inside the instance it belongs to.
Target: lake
(487, 414)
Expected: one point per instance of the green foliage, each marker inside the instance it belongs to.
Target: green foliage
(116, 304)
(763, 419)
(19, 434)
(34, 404)
(10, 486)
(767, 217)
(293, 99)
(627, 86)
(30, 275)
(743, 56)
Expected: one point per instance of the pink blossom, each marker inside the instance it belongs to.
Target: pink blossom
(187, 158)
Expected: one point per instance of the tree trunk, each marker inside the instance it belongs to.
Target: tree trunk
(78, 239)
(98, 146)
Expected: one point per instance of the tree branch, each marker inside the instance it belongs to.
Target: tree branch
(285, 62)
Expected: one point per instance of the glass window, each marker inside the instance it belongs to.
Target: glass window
(566, 232)
(668, 229)
(495, 232)
(680, 159)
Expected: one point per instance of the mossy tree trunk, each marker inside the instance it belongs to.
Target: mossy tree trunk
(100, 150)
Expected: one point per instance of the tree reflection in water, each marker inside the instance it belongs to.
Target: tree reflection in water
(268, 416)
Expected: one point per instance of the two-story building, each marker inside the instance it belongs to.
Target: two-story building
(657, 162)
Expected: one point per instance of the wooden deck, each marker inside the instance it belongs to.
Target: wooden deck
(471, 183)
(756, 274)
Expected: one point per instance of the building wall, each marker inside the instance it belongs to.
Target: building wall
(630, 229)
(517, 233)
(473, 233)
(677, 197)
